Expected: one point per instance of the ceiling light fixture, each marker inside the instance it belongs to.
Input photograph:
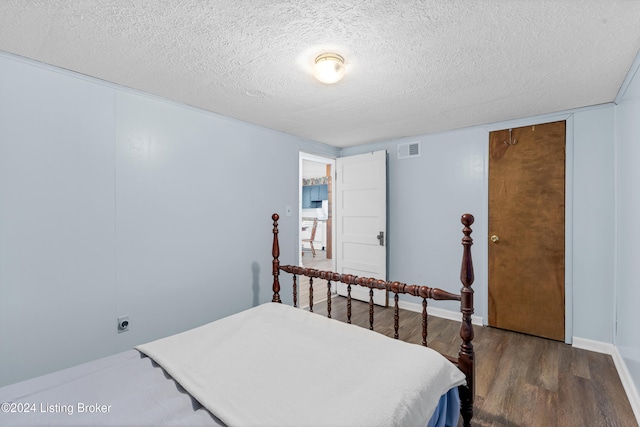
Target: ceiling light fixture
(329, 68)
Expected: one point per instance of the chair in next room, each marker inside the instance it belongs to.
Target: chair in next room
(312, 237)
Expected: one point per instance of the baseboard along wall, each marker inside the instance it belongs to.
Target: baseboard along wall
(625, 376)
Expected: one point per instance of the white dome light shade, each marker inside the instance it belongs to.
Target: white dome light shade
(329, 68)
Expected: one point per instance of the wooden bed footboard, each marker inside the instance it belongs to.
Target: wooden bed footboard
(466, 356)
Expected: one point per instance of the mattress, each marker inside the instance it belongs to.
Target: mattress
(130, 389)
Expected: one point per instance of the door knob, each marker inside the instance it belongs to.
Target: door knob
(495, 239)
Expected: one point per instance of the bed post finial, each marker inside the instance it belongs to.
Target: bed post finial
(275, 252)
(466, 358)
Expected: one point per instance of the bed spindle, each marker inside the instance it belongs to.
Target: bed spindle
(424, 322)
(275, 253)
(371, 309)
(295, 291)
(466, 356)
(329, 299)
(349, 303)
(396, 316)
(311, 294)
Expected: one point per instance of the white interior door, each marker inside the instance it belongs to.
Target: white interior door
(361, 221)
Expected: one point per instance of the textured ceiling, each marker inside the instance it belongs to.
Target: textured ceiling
(413, 67)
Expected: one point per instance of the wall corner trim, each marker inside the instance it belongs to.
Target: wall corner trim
(635, 66)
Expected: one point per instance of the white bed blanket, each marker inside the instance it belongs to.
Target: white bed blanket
(275, 365)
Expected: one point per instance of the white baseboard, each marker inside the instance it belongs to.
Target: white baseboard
(591, 345)
(621, 367)
(438, 312)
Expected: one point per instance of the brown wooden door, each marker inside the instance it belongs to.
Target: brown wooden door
(526, 229)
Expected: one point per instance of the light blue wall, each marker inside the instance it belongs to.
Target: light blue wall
(594, 224)
(117, 203)
(428, 194)
(628, 228)
(57, 231)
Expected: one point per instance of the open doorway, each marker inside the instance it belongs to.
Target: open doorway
(316, 213)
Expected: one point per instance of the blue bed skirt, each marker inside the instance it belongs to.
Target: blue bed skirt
(448, 410)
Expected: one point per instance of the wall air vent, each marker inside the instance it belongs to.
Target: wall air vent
(407, 150)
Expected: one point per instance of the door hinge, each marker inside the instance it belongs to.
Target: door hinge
(380, 238)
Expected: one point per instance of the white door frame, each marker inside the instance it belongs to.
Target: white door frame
(302, 156)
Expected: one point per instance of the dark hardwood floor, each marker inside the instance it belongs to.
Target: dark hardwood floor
(521, 380)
